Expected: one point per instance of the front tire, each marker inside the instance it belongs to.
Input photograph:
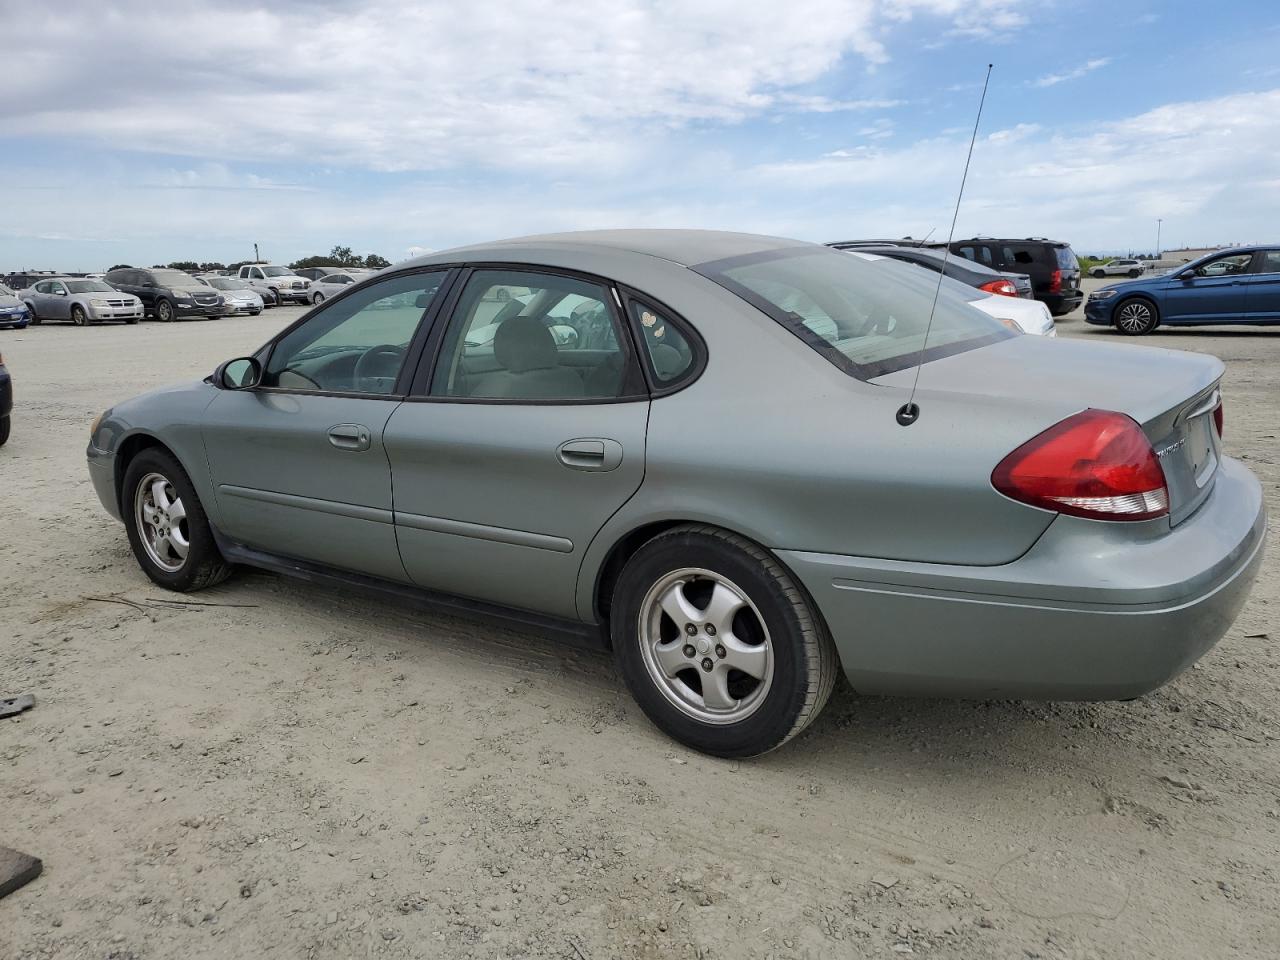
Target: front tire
(168, 530)
(1135, 316)
(317, 298)
(78, 316)
(719, 645)
(5, 426)
(164, 311)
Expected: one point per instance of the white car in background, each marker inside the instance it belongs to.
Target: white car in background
(1119, 268)
(332, 284)
(238, 295)
(285, 285)
(1016, 313)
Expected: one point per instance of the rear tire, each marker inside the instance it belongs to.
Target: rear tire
(176, 552)
(1135, 316)
(4, 430)
(700, 572)
(1099, 273)
(35, 317)
(1135, 273)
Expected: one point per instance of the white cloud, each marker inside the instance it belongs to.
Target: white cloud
(399, 85)
(1053, 79)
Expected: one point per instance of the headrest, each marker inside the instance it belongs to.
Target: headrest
(522, 344)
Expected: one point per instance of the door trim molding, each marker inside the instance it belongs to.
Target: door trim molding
(353, 511)
(482, 531)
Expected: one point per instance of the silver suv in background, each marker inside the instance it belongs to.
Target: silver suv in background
(1119, 268)
(285, 285)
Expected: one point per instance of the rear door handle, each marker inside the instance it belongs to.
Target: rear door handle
(350, 436)
(590, 453)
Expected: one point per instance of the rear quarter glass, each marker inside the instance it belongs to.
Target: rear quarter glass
(1066, 258)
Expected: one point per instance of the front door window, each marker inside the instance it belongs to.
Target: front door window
(358, 344)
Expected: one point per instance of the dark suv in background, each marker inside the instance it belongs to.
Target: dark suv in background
(1052, 264)
(169, 294)
(1005, 283)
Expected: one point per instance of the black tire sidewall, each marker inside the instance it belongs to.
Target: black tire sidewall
(202, 549)
(76, 309)
(164, 305)
(6, 425)
(776, 718)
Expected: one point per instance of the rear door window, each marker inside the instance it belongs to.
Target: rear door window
(1019, 255)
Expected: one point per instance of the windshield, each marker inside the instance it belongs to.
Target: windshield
(226, 283)
(866, 320)
(89, 286)
(276, 272)
(5, 291)
(175, 278)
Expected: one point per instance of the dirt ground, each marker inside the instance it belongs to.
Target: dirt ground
(274, 769)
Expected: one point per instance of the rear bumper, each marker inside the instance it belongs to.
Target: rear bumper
(1061, 303)
(1091, 612)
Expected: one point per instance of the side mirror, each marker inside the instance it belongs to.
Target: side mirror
(1186, 275)
(243, 373)
(61, 293)
(148, 283)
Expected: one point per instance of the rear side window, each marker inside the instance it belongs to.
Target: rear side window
(867, 321)
(668, 349)
(1066, 258)
(1020, 255)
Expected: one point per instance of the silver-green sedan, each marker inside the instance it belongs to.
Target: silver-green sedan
(690, 447)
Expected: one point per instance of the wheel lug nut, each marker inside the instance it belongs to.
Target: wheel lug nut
(721, 652)
(689, 651)
(707, 665)
(711, 630)
(690, 629)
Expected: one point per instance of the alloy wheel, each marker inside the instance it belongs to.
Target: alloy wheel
(705, 646)
(1134, 317)
(162, 522)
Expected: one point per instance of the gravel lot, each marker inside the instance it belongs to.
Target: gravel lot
(280, 770)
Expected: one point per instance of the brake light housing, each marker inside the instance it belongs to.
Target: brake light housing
(1055, 282)
(1003, 287)
(1217, 417)
(1096, 464)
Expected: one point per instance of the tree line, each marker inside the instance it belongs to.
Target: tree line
(337, 257)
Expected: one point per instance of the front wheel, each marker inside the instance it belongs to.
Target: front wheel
(1134, 317)
(167, 527)
(78, 316)
(721, 648)
(317, 297)
(4, 430)
(164, 311)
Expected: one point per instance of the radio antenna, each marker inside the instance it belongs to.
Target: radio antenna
(909, 412)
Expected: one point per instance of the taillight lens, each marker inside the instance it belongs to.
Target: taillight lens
(1096, 464)
(1004, 288)
(1055, 282)
(1217, 418)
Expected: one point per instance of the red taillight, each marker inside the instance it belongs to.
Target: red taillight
(1055, 282)
(1096, 464)
(1004, 288)
(1217, 418)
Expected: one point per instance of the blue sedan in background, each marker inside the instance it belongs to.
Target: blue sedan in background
(1240, 285)
(13, 312)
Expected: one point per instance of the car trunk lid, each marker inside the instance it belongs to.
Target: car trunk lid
(1171, 394)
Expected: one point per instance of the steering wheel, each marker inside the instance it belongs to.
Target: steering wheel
(378, 367)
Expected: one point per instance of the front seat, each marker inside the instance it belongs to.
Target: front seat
(526, 351)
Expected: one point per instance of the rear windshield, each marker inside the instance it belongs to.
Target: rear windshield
(866, 320)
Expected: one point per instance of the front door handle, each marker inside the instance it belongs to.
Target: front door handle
(350, 436)
(590, 453)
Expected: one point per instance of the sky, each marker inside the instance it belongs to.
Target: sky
(139, 132)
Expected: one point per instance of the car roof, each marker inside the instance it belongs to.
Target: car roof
(683, 247)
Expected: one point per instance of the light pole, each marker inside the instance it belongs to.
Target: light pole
(1159, 222)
